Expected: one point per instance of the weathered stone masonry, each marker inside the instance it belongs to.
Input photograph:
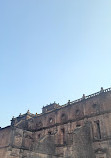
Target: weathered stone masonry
(78, 129)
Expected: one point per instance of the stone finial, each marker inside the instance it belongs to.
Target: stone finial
(68, 101)
(102, 90)
(83, 97)
(13, 121)
(28, 111)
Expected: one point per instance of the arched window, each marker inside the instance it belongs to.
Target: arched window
(50, 120)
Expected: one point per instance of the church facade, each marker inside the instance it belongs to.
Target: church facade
(78, 129)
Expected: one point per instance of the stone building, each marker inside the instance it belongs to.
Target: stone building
(78, 129)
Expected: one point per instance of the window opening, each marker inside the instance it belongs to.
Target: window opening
(98, 130)
(63, 136)
(50, 120)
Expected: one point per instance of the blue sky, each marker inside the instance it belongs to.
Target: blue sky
(52, 51)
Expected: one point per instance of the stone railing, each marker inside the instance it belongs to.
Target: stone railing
(87, 97)
(69, 102)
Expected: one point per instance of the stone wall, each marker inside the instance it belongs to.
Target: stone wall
(79, 129)
(82, 142)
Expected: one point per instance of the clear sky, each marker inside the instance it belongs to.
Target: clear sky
(52, 50)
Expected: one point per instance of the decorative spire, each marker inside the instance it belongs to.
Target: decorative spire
(83, 97)
(28, 112)
(13, 118)
(102, 90)
(68, 101)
